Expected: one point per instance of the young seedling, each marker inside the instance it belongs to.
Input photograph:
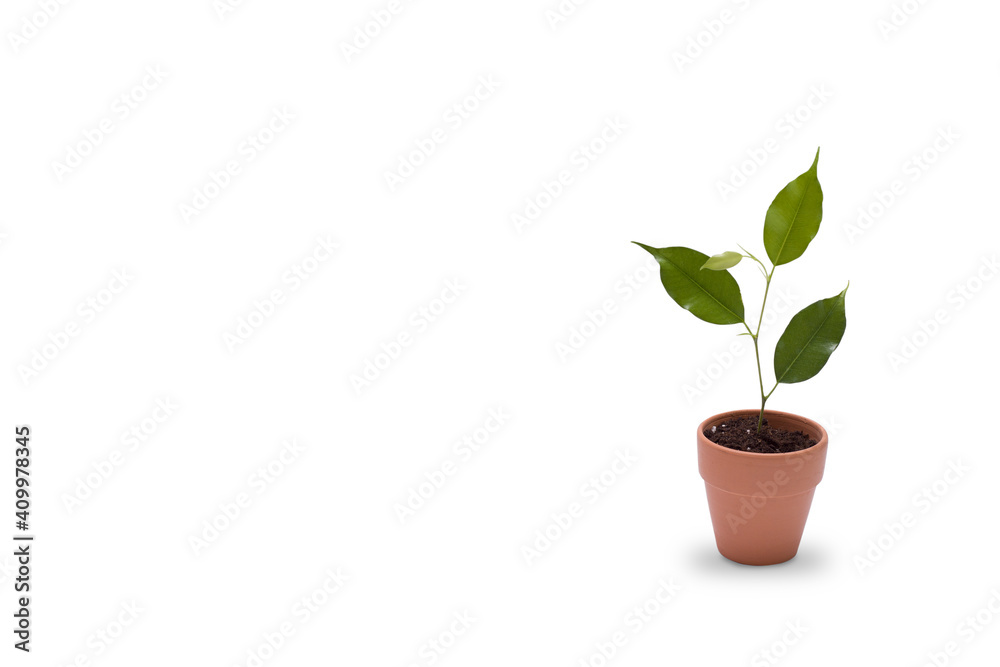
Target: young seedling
(703, 285)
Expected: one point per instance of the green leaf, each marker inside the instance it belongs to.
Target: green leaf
(722, 261)
(713, 296)
(793, 218)
(809, 340)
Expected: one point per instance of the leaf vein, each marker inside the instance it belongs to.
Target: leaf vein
(792, 224)
(808, 343)
(698, 285)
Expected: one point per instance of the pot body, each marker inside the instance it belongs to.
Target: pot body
(759, 502)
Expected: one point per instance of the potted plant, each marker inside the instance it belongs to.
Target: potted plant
(761, 467)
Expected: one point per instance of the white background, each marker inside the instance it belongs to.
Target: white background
(895, 424)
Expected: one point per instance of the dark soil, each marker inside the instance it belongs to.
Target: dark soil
(741, 433)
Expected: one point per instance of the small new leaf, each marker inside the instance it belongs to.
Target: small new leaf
(723, 261)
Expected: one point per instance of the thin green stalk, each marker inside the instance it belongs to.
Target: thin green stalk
(760, 376)
(756, 349)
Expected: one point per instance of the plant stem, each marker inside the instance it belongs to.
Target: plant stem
(756, 349)
(760, 376)
(767, 288)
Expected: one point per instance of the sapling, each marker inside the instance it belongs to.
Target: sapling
(703, 285)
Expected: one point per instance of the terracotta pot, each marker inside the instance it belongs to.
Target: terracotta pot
(759, 502)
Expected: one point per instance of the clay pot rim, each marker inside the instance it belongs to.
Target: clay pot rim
(749, 456)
